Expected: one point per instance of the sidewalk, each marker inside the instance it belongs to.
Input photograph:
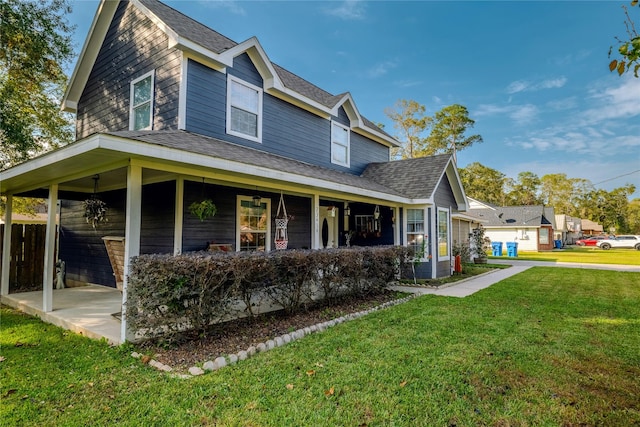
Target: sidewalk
(472, 285)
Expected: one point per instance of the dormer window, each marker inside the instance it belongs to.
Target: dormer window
(141, 103)
(339, 144)
(244, 109)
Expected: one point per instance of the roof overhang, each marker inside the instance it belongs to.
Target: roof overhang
(72, 167)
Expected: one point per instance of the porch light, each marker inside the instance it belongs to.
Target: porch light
(376, 212)
(347, 210)
(332, 210)
(257, 201)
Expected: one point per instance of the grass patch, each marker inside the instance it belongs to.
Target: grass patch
(549, 346)
(468, 271)
(578, 254)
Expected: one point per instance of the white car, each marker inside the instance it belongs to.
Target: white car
(626, 241)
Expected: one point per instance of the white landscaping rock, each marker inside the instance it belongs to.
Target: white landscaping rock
(221, 362)
(194, 370)
(209, 366)
(242, 355)
(233, 358)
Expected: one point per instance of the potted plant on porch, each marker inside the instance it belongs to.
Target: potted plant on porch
(477, 245)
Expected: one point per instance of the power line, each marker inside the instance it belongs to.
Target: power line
(616, 177)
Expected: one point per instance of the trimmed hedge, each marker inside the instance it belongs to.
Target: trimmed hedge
(169, 294)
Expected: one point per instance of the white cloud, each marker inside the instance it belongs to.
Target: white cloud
(614, 102)
(563, 104)
(527, 86)
(520, 114)
(232, 6)
(381, 69)
(437, 100)
(348, 10)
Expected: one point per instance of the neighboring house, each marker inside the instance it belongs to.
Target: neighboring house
(532, 227)
(590, 228)
(169, 112)
(568, 229)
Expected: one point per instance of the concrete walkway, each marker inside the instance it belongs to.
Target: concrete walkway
(472, 285)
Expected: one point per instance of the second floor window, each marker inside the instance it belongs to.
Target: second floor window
(244, 110)
(141, 103)
(339, 144)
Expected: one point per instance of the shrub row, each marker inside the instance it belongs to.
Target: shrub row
(167, 294)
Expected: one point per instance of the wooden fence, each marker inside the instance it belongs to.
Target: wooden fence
(26, 269)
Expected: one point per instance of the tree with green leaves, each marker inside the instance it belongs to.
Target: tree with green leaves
(35, 43)
(524, 191)
(448, 131)
(410, 121)
(483, 183)
(629, 47)
(563, 193)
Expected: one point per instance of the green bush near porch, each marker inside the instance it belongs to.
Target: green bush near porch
(167, 294)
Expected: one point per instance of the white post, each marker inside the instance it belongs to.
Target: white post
(49, 250)
(6, 247)
(433, 240)
(179, 217)
(132, 236)
(315, 222)
(396, 226)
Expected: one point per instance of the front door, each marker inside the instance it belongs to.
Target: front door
(329, 227)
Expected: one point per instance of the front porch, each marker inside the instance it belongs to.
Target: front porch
(86, 310)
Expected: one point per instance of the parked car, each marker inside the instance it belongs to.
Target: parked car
(626, 241)
(591, 240)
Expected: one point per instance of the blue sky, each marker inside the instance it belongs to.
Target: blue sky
(533, 75)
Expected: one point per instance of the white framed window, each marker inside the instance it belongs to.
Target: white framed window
(416, 237)
(340, 140)
(141, 102)
(253, 224)
(244, 109)
(443, 234)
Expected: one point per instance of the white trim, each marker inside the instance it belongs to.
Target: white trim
(179, 216)
(446, 257)
(232, 79)
(182, 96)
(132, 237)
(347, 163)
(49, 250)
(151, 100)
(6, 246)
(267, 201)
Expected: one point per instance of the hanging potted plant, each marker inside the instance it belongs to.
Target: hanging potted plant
(203, 209)
(95, 210)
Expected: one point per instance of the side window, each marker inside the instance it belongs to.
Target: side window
(141, 103)
(244, 109)
(443, 234)
(339, 144)
(416, 237)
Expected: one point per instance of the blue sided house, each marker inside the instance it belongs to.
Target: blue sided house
(170, 113)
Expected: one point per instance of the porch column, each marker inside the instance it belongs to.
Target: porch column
(433, 240)
(6, 247)
(179, 217)
(132, 236)
(315, 221)
(50, 250)
(396, 226)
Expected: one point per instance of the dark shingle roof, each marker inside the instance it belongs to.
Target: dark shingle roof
(199, 144)
(511, 216)
(415, 178)
(189, 28)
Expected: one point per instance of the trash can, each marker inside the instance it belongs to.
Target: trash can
(497, 248)
(558, 244)
(512, 249)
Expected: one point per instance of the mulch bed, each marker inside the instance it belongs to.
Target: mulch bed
(234, 336)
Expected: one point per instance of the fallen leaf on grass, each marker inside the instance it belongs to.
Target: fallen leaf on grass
(319, 365)
(403, 383)
(145, 359)
(10, 392)
(19, 344)
(2, 359)
(289, 386)
(329, 392)
(311, 372)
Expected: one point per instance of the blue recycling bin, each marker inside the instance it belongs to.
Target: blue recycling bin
(497, 248)
(512, 249)
(558, 244)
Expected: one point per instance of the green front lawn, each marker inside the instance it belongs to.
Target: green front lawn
(550, 346)
(581, 255)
